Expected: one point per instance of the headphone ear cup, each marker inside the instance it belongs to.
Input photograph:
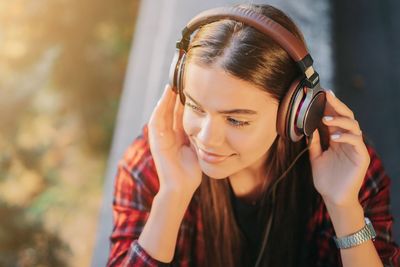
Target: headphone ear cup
(287, 112)
(313, 110)
(173, 71)
(176, 74)
(180, 78)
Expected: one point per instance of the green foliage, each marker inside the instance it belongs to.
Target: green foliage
(62, 66)
(25, 242)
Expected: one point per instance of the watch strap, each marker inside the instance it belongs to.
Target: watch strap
(363, 235)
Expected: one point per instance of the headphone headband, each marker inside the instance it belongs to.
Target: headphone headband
(269, 27)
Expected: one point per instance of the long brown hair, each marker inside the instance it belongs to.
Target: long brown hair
(254, 57)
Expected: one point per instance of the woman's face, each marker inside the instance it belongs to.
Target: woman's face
(229, 118)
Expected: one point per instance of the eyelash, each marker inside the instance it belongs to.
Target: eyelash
(232, 121)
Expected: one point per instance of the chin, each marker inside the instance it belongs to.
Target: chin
(217, 177)
(214, 173)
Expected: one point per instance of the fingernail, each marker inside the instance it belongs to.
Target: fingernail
(331, 92)
(328, 118)
(335, 136)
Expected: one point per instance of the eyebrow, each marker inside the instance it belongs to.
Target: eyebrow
(231, 111)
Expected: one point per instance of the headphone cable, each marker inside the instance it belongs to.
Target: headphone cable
(274, 186)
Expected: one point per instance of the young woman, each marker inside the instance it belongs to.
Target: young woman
(214, 182)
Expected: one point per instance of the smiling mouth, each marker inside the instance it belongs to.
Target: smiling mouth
(206, 156)
(212, 154)
(210, 158)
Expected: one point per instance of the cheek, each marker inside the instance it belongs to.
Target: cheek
(257, 141)
(189, 122)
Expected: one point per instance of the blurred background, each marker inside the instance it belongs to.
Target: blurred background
(62, 65)
(79, 78)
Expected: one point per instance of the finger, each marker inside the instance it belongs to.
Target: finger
(178, 121)
(352, 139)
(345, 123)
(338, 106)
(168, 109)
(315, 146)
(178, 115)
(162, 116)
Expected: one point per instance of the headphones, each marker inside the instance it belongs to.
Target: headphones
(301, 110)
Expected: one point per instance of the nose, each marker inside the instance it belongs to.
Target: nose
(211, 134)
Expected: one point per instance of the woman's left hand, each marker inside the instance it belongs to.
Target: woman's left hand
(338, 172)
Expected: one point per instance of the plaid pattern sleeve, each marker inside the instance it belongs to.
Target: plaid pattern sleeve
(136, 184)
(374, 197)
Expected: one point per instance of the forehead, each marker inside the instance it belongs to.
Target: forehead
(215, 86)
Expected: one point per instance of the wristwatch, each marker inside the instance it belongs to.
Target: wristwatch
(365, 234)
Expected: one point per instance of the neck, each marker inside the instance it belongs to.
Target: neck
(247, 188)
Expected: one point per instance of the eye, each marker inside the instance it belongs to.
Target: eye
(233, 122)
(237, 123)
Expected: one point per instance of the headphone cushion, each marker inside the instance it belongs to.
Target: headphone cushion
(180, 76)
(176, 74)
(173, 71)
(286, 110)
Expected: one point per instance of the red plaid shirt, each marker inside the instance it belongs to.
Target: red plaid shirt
(137, 183)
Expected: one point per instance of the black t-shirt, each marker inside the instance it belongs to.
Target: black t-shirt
(246, 216)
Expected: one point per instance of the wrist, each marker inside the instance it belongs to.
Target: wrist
(346, 219)
(175, 198)
(355, 239)
(160, 232)
(340, 201)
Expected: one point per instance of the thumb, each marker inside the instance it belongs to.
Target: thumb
(315, 148)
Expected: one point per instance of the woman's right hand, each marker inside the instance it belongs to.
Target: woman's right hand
(176, 161)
